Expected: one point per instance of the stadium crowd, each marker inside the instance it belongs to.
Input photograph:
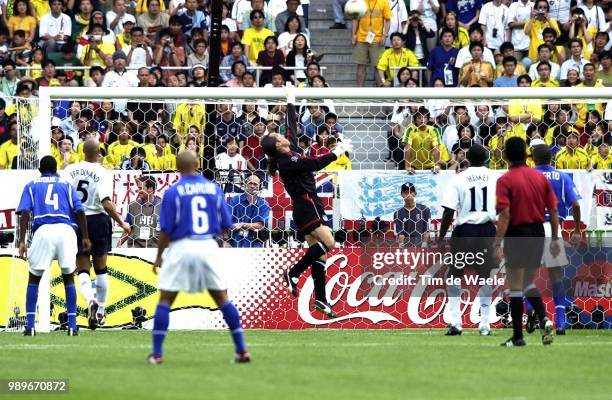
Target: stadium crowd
(155, 43)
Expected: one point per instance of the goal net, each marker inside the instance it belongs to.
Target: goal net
(415, 137)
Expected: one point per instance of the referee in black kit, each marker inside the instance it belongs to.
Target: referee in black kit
(523, 195)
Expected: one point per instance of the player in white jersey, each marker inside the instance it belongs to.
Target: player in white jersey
(471, 194)
(94, 184)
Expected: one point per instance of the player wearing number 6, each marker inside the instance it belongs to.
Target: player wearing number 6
(94, 185)
(193, 213)
(53, 204)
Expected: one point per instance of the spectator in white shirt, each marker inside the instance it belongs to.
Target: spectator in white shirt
(519, 13)
(464, 55)
(594, 15)
(55, 28)
(119, 76)
(544, 54)
(494, 21)
(399, 20)
(118, 16)
(138, 53)
(576, 60)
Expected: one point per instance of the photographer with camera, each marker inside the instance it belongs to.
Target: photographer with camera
(535, 26)
(97, 50)
(139, 54)
(580, 29)
(166, 54)
(417, 37)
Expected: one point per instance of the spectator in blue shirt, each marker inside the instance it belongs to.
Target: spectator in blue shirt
(191, 17)
(317, 119)
(229, 127)
(250, 215)
(467, 11)
(507, 78)
(442, 60)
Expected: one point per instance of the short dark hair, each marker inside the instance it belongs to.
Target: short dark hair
(476, 44)
(447, 30)
(137, 29)
(506, 46)
(477, 155)
(541, 154)
(48, 165)
(20, 32)
(475, 28)
(544, 63)
(255, 12)
(508, 59)
(524, 77)
(396, 34)
(149, 183)
(268, 144)
(549, 31)
(574, 40)
(48, 62)
(516, 150)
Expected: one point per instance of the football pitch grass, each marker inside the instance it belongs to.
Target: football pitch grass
(314, 364)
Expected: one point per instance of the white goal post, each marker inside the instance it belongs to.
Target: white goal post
(345, 96)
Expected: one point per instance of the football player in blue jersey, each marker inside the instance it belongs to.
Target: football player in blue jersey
(54, 206)
(567, 196)
(193, 214)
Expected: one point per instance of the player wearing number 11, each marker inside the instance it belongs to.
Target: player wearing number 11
(471, 194)
(193, 214)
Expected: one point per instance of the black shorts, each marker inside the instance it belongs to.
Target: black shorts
(308, 215)
(524, 245)
(476, 239)
(100, 230)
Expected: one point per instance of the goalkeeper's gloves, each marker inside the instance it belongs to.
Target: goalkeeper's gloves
(343, 147)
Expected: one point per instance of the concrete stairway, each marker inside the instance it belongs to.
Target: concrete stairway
(336, 44)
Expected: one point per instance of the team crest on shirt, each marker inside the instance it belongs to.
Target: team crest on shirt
(294, 158)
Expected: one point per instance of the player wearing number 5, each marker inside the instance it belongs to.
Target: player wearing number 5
(193, 214)
(94, 185)
(54, 204)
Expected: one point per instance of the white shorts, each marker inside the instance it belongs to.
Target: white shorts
(547, 259)
(53, 242)
(191, 265)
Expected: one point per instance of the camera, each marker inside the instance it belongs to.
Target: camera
(139, 45)
(494, 32)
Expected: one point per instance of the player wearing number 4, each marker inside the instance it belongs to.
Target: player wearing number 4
(193, 213)
(94, 185)
(472, 195)
(53, 204)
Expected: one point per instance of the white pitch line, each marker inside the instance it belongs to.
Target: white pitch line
(31, 346)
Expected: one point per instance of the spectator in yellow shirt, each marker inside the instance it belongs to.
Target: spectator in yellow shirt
(253, 38)
(342, 163)
(162, 159)
(524, 111)
(579, 28)
(66, 155)
(556, 135)
(188, 114)
(86, 136)
(392, 59)
(603, 158)
(421, 144)
(572, 156)
(119, 151)
(476, 72)
(462, 37)
(10, 148)
(589, 81)
(535, 26)
(369, 35)
(544, 79)
(597, 134)
(96, 51)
